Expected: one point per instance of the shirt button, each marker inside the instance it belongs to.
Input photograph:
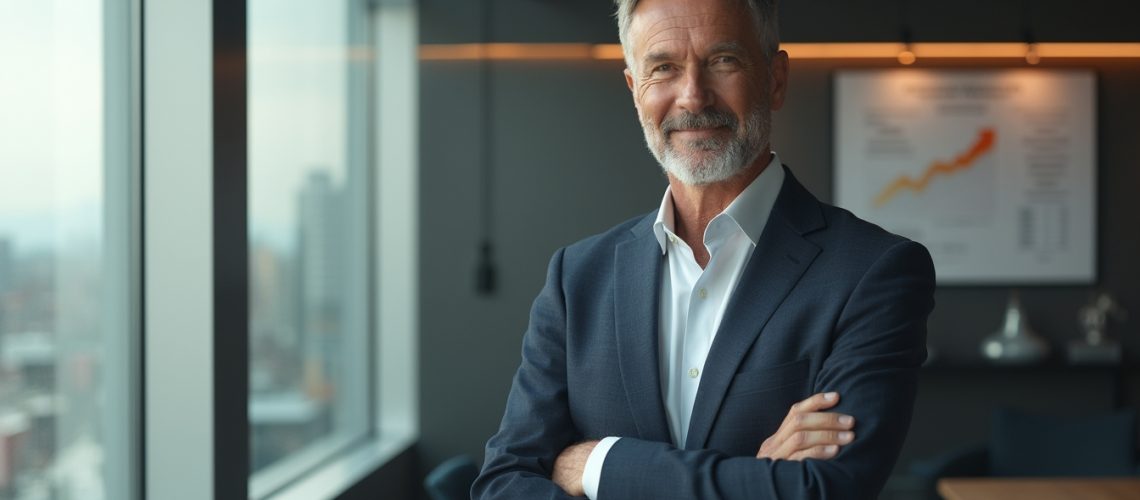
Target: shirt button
(703, 293)
(694, 373)
(672, 239)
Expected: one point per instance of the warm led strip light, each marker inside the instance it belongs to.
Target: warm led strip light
(961, 50)
(519, 51)
(585, 51)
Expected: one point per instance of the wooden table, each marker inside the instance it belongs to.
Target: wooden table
(1039, 488)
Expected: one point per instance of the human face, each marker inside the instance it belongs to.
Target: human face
(702, 87)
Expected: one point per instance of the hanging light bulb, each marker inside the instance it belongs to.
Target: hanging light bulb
(1031, 55)
(906, 55)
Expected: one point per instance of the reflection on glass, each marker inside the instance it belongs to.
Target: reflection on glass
(63, 321)
(307, 270)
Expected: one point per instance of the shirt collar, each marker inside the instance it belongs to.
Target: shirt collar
(750, 209)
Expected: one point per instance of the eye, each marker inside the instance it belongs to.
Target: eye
(660, 68)
(726, 60)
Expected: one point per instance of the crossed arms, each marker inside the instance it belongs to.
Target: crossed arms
(878, 345)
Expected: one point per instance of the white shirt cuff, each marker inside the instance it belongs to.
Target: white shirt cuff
(592, 475)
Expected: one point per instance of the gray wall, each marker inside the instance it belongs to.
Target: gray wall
(570, 161)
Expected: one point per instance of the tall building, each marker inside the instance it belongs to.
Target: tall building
(274, 334)
(322, 260)
(297, 319)
(322, 255)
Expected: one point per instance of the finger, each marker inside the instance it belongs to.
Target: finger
(805, 440)
(766, 447)
(796, 420)
(821, 421)
(802, 422)
(817, 452)
(819, 401)
(816, 402)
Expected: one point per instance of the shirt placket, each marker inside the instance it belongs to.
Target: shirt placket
(698, 333)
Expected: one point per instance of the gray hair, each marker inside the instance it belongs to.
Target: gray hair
(763, 13)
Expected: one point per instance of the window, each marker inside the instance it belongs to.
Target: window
(96, 216)
(310, 391)
(67, 268)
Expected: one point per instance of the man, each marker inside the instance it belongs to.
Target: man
(663, 355)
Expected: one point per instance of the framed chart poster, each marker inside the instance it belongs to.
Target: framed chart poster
(994, 171)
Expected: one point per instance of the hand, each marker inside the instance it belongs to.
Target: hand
(570, 465)
(809, 433)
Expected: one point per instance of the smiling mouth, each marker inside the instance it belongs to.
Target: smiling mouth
(699, 131)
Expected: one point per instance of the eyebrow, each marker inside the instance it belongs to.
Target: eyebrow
(732, 47)
(656, 57)
(662, 56)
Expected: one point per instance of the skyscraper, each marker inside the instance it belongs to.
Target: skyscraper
(322, 261)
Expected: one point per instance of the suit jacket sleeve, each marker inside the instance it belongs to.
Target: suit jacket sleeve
(878, 345)
(536, 426)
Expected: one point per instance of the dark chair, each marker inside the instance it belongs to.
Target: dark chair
(1026, 445)
(452, 479)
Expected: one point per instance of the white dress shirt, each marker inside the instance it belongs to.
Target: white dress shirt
(693, 300)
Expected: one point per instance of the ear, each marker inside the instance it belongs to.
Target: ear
(629, 83)
(779, 83)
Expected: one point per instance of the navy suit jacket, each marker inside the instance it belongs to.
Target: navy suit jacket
(827, 302)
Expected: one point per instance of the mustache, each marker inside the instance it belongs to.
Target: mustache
(711, 118)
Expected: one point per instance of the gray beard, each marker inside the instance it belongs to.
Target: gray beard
(712, 160)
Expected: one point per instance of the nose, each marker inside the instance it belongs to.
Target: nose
(695, 95)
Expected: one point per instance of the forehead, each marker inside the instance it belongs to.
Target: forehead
(661, 24)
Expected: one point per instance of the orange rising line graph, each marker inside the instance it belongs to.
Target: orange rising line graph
(983, 145)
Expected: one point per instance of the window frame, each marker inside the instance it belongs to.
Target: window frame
(184, 414)
(354, 413)
(194, 302)
(394, 206)
(122, 222)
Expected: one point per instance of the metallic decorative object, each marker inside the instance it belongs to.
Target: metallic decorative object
(1015, 343)
(1097, 347)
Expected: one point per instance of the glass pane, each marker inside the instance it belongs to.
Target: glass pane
(308, 288)
(64, 234)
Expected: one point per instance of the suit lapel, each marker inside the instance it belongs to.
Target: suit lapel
(779, 260)
(637, 281)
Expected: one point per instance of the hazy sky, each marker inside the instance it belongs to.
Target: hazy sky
(52, 105)
(297, 104)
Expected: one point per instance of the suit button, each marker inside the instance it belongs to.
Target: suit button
(694, 373)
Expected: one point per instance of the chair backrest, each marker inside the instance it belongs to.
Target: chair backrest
(1024, 444)
(452, 479)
